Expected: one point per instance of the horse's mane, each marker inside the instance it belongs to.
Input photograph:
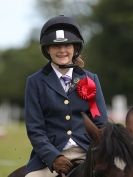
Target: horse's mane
(115, 142)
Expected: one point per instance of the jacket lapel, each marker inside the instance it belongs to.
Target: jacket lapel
(52, 80)
(77, 75)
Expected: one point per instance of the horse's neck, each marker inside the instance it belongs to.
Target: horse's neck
(114, 172)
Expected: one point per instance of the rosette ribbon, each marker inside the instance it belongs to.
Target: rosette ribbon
(86, 89)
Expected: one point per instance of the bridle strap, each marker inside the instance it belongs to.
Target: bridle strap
(92, 162)
(89, 169)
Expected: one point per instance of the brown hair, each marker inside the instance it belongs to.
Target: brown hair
(79, 62)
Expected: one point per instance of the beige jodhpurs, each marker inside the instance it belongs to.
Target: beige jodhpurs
(72, 153)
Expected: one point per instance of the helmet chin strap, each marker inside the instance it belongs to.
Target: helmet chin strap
(65, 66)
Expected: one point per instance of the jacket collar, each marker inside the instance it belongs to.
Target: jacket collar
(53, 81)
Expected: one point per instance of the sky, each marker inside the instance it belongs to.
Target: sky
(17, 19)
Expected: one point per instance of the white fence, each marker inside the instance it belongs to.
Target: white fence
(9, 114)
(118, 109)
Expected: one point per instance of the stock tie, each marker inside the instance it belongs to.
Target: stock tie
(66, 79)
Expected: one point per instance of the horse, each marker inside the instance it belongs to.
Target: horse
(110, 153)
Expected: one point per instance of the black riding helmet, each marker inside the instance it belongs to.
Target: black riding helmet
(61, 30)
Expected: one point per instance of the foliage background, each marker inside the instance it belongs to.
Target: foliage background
(107, 27)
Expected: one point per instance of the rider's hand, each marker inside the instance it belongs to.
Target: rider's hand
(62, 165)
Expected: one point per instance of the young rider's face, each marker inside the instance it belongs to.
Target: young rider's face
(61, 54)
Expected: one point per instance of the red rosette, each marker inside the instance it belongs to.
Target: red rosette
(86, 89)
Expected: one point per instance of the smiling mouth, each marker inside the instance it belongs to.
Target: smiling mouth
(62, 56)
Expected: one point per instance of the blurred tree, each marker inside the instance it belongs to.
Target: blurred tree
(110, 47)
(15, 66)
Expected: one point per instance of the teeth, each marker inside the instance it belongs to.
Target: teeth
(61, 56)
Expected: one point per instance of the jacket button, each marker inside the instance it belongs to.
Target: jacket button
(68, 117)
(66, 101)
(69, 132)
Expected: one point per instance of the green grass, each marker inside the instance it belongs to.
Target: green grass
(14, 149)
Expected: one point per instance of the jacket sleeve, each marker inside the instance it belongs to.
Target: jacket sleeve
(100, 121)
(36, 127)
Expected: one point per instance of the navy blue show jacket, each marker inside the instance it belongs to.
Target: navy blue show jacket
(47, 107)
